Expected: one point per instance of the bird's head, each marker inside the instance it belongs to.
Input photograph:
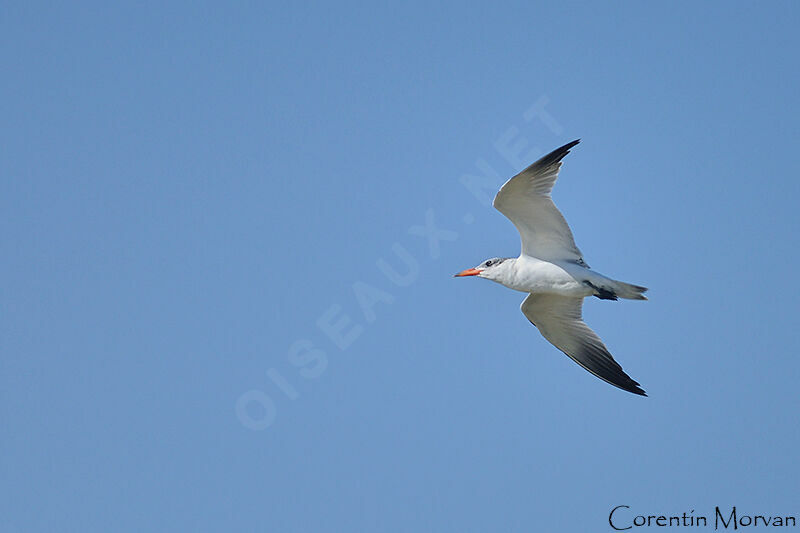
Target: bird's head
(491, 269)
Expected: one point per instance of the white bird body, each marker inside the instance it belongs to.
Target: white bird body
(552, 271)
(529, 274)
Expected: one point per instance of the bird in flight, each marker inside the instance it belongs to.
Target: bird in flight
(552, 271)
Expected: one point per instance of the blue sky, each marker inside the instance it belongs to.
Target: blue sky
(189, 190)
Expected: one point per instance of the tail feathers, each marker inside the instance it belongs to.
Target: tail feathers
(629, 291)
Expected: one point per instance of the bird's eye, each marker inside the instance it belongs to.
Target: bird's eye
(488, 263)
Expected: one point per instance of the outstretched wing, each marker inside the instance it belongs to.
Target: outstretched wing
(560, 322)
(525, 200)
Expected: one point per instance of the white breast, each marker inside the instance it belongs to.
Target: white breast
(536, 276)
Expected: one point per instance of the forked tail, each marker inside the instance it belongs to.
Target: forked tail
(629, 291)
(611, 289)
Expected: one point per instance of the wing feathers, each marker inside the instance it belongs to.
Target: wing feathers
(525, 200)
(547, 167)
(559, 321)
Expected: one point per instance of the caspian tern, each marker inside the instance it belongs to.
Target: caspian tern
(552, 271)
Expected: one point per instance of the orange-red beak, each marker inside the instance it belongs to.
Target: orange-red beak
(468, 272)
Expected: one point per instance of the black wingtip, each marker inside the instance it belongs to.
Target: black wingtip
(638, 391)
(567, 147)
(556, 155)
(632, 386)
